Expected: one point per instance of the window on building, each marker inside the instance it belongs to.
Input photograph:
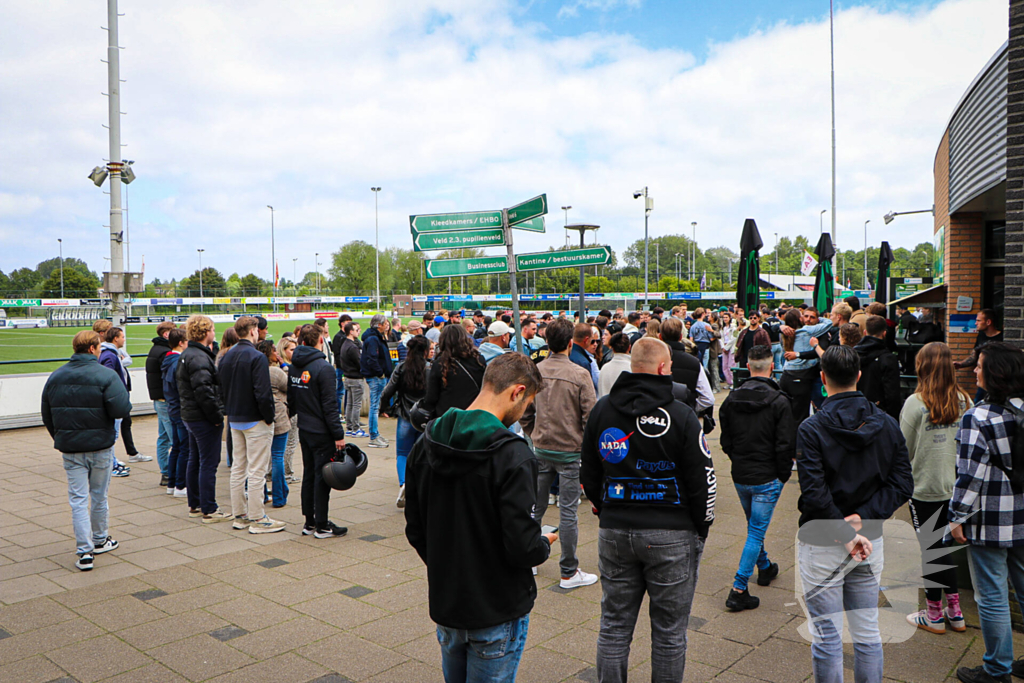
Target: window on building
(995, 240)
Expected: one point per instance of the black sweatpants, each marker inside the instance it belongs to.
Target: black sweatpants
(317, 450)
(920, 512)
(126, 436)
(799, 384)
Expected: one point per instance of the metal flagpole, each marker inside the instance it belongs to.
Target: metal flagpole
(117, 299)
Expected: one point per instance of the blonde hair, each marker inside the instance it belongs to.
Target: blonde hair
(85, 340)
(197, 327)
(101, 326)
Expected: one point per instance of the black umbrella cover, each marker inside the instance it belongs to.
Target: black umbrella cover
(748, 289)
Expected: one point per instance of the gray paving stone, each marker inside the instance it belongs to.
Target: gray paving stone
(331, 678)
(228, 633)
(372, 538)
(356, 591)
(4, 634)
(272, 562)
(150, 594)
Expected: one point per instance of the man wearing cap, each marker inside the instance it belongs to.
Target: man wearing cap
(478, 320)
(434, 333)
(415, 329)
(496, 342)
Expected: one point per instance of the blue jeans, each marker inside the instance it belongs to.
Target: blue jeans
(853, 591)
(777, 357)
(405, 439)
(88, 481)
(758, 505)
(662, 563)
(163, 435)
(277, 447)
(177, 462)
(702, 353)
(341, 390)
(990, 569)
(203, 458)
(481, 655)
(376, 385)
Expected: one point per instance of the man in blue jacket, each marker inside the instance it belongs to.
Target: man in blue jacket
(375, 364)
(854, 474)
(81, 402)
(177, 460)
(249, 406)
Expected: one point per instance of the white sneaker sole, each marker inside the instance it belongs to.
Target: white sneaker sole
(265, 530)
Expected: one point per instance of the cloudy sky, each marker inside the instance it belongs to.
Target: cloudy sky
(721, 109)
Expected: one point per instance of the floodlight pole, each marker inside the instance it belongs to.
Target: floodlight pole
(60, 243)
(832, 54)
(273, 256)
(117, 299)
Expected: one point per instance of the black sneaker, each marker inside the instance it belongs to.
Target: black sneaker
(84, 562)
(330, 530)
(163, 481)
(1017, 668)
(105, 547)
(308, 529)
(737, 602)
(979, 675)
(768, 575)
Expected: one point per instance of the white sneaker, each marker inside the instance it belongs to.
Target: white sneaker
(580, 578)
(535, 571)
(139, 457)
(401, 497)
(265, 526)
(551, 499)
(180, 493)
(217, 515)
(378, 443)
(170, 490)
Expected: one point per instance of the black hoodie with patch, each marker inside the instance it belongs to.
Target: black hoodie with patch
(758, 432)
(851, 458)
(470, 491)
(313, 393)
(645, 461)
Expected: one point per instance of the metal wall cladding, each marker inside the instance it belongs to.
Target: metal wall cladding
(977, 135)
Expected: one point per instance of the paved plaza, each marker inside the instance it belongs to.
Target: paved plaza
(183, 601)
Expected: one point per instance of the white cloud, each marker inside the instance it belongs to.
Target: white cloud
(456, 104)
(572, 9)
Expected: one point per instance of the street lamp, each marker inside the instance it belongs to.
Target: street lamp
(201, 278)
(648, 207)
(888, 218)
(273, 257)
(693, 250)
(376, 241)
(566, 209)
(821, 220)
(60, 244)
(316, 264)
(776, 253)
(866, 253)
(583, 231)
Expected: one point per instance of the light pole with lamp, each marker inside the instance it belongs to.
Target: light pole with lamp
(60, 244)
(273, 256)
(866, 253)
(376, 241)
(316, 264)
(821, 220)
(295, 281)
(201, 307)
(693, 247)
(776, 253)
(583, 231)
(566, 209)
(648, 207)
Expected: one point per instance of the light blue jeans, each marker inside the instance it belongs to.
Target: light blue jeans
(376, 385)
(489, 654)
(88, 481)
(164, 435)
(991, 568)
(405, 439)
(834, 585)
(777, 357)
(277, 447)
(758, 504)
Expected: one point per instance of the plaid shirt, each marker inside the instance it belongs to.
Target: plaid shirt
(983, 501)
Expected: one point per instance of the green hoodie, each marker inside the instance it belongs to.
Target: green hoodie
(465, 430)
(932, 450)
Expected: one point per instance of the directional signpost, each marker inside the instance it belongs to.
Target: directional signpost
(459, 239)
(533, 225)
(443, 222)
(457, 267)
(572, 258)
(532, 208)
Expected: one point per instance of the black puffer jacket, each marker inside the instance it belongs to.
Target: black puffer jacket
(313, 393)
(758, 432)
(398, 385)
(154, 368)
(198, 386)
(879, 375)
(80, 402)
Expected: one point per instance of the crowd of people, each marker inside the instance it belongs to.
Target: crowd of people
(617, 407)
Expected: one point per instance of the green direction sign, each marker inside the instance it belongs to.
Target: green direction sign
(538, 206)
(457, 267)
(459, 239)
(574, 258)
(533, 225)
(20, 303)
(443, 222)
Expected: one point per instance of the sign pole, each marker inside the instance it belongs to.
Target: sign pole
(512, 282)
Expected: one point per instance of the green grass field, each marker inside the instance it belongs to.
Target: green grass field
(55, 342)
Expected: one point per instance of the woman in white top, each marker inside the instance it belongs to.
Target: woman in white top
(729, 333)
(619, 363)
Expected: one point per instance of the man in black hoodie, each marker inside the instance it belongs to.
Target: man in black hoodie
(154, 383)
(879, 368)
(854, 474)
(313, 396)
(470, 491)
(757, 434)
(647, 470)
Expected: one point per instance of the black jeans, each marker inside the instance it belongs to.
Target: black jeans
(921, 512)
(799, 384)
(317, 450)
(126, 434)
(203, 458)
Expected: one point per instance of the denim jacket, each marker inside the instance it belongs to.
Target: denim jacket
(802, 342)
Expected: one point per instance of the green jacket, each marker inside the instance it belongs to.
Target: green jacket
(932, 450)
(81, 400)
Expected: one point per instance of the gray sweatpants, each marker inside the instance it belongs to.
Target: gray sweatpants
(353, 403)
